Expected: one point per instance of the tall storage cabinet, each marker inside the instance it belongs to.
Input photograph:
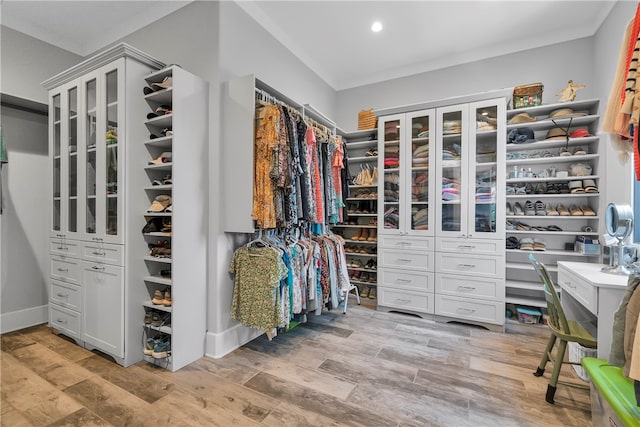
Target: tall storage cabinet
(95, 115)
(470, 176)
(405, 216)
(175, 166)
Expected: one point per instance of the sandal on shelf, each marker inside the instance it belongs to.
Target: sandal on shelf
(551, 211)
(526, 244)
(553, 228)
(589, 186)
(562, 210)
(521, 226)
(587, 211)
(579, 151)
(564, 152)
(540, 208)
(538, 245)
(521, 190)
(575, 211)
(576, 187)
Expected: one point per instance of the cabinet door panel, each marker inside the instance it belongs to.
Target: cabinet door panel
(103, 307)
(391, 184)
(406, 299)
(467, 308)
(65, 320)
(419, 180)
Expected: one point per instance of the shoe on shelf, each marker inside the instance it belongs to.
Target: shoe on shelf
(158, 297)
(373, 233)
(357, 234)
(148, 316)
(540, 208)
(161, 350)
(166, 301)
(373, 293)
(364, 293)
(509, 209)
(365, 235)
(562, 210)
(149, 345)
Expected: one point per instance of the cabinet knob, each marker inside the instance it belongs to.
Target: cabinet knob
(61, 321)
(99, 253)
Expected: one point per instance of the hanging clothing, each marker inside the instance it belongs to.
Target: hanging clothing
(266, 151)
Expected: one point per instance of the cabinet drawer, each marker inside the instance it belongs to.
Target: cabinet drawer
(406, 280)
(584, 293)
(470, 309)
(406, 242)
(409, 260)
(64, 247)
(66, 295)
(476, 287)
(65, 320)
(471, 246)
(405, 299)
(470, 265)
(103, 252)
(65, 269)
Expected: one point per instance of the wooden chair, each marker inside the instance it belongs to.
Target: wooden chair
(561, 329)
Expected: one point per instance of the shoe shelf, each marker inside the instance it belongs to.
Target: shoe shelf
(552, 195)
(164, 142)
(354, 226)
(158, 280)
(162, 214)
(553, 159)
(359, 254)
(162, 167)
(545, 145)
(556, 179)
(533, 302)
(553, 217)
(157, 259)
(528, 266)
(366, 270)
(552, 233)
(549, 124)
(164, 363)
(149, 304)
(368, 242)
(363, 214)
(361, 199)
(392, 143)
(362, 144)
(164, 121)
(361, 159)
(553, 252)
(160, 97)
(164, 187)
(164, 329)
(359, 282)
(356, 187)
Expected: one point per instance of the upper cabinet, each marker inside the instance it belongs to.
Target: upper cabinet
(470, 171)
(405, 183)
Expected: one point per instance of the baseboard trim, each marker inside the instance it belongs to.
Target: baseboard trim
(218, 345)
(21, 319)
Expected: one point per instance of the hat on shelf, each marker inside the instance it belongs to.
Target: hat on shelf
(165, 83)
(162, 158)
(580, 133)
(520, 136)
(564, 113)
(160, 203)
(521, 118)
(556, 133)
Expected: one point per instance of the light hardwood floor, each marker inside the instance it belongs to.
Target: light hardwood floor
(365, 368)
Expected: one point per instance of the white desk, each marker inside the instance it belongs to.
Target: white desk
(591, 298)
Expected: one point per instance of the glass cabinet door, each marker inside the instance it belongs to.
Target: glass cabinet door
(390, 152)
(111, 153)
(90, 156)
(56, 137)
(486, 146)
(72, 161)
(451, 176)
(419, 153)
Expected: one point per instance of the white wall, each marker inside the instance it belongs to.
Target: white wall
(552, 65)
(26, 62)
(24, 222)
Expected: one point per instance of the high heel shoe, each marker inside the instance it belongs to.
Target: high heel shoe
(373, 235)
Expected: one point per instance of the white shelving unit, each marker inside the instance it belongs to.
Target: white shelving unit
(522, 284)
(184, 273)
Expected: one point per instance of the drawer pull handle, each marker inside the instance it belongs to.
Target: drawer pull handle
(403, 280)
(403, 260)
(99, 253)
(97, 239)
(62, 248)
(62, 321)
(466, 288)
(95, 267)
(570, 285)
(403, 244)
(466, 266)
(62, 295)
(466, 246)
(62, 270)
(403, 301)
(465, 310)
(60, 235)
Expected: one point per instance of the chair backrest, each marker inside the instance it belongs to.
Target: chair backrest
(557, 319)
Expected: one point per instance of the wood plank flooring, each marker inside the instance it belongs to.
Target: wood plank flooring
(365, 368)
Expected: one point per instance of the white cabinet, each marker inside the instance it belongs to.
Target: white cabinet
(95, 148)
(177, 110)
(469, 212)
(553, 162)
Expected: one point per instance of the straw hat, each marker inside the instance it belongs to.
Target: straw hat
(556, 133)
(521, 118)
(564, 113)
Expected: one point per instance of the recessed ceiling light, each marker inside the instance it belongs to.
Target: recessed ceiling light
(376, 27)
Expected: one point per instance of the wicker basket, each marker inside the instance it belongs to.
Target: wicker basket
(367, 120)
(527, 95)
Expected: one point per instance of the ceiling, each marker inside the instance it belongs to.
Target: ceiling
(334, 37)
